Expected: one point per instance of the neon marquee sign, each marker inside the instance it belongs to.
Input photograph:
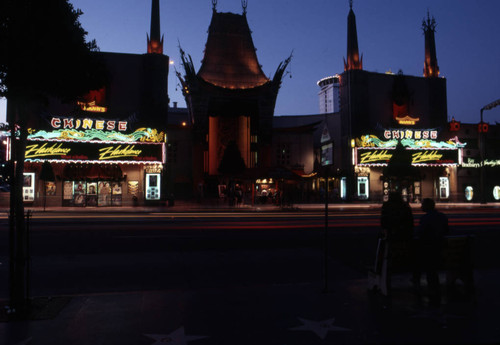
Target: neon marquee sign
(381, 157)
(74, 151)
(46, 150)
(111, 152)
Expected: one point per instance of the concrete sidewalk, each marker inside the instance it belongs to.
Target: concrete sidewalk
(265, 313)
(286, 314)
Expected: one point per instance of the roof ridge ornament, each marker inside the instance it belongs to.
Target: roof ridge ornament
(244, 4)
(214, 5)
(429, 24)
(350, 4)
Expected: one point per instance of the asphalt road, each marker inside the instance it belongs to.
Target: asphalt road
(84, 253)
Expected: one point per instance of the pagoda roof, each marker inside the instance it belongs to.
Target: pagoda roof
(230, 60)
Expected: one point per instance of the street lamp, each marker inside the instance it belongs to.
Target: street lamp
(483, 129)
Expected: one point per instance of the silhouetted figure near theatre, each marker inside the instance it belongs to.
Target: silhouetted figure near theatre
(397, 219)
(429, 244)
(397, 235)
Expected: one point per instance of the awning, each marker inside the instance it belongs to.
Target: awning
(92, 172)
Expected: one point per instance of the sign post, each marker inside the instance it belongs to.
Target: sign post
(326, 161)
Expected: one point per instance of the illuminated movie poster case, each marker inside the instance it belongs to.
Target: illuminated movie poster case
(153, 186)
(67, 193)
(92, 194)
(79, 188)
(104, 196)
(50, 188)
(116, 194)
(29, 187)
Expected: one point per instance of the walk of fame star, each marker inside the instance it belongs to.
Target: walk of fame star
(177, 337)
(320, 328)
(25, 342)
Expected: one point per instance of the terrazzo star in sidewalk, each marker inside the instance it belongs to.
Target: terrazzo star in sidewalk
(320, 328)
(177, 337)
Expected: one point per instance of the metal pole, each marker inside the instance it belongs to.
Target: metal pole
(481, 154)
(13, 267)
(326, 232)
(28, 255)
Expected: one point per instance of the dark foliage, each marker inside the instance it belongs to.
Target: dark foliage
(45, 52)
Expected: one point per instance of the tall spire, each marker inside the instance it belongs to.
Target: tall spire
(431, 68)
(155, 43)
(244, 4)
(353, 59)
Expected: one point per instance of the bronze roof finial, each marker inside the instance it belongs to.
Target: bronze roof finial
(244, 4)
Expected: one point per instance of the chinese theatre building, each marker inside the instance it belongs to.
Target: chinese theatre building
(230, 101)
(108, 148)
(381, 112)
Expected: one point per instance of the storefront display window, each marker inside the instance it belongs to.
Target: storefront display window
(83, 193)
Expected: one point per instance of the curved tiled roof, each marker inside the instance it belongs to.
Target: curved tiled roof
(230, 60)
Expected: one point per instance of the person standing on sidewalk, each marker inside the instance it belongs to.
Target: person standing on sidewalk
(396, 220)
(429, 238)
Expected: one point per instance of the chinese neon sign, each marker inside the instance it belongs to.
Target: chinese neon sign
(409, 140)
(72, 123)
(410, 134)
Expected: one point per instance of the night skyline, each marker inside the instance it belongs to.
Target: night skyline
(390, 37)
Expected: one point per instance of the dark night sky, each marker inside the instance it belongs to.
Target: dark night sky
(389, 36)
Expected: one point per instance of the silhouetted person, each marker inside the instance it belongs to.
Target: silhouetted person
(429, 239)
(397, 230)
(397, 219)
